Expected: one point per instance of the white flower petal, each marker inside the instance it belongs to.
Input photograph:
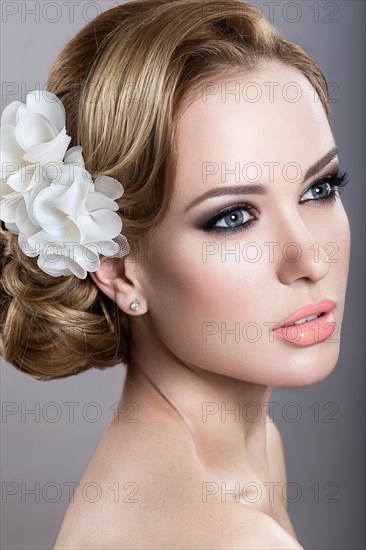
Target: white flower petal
(59, 173)
(4, 188)
(52, 151)
(56, 272)
(110, 187)
(90, 255)
(87, 258)
(11, 154)
(75, 263)
(8, 206)
(75, 156)
(40, 240)
(57, 225)
(97, 201)
(76, 269)
(49, 105)
(71, 233)
(22, 220)
(21, 180)
(46, 214)
(71, 201)
(99, 225)
(26, 248)
(30, 194)
(9, 114)
(34, 129)
(56, 266)
(12, 227)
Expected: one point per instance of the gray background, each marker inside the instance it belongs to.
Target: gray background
(52, 449)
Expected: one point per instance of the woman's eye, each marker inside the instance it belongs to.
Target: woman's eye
(328, 188)
(233, 219)
(319, 191)
(242, 216)
(236, 218)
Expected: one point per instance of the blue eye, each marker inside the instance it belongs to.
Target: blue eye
(322, 191)
(328, 186)
(321, 188)
(234, 217)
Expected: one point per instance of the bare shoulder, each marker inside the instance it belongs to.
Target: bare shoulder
(130, 487)
(215, 525)
(144, 489)
(251, 529)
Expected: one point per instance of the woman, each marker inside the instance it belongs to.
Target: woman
(219, 130)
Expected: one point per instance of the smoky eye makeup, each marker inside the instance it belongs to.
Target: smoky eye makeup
(241, 213)
(241, 216)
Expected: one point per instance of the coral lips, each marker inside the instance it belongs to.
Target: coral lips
(309, 331)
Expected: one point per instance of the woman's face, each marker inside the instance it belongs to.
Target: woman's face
(214, 297)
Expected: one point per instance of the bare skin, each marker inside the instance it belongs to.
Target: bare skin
(166, 498)
(187, 452)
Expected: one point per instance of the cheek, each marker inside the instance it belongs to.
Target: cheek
(338, 250)
(337, 244)
(202, 276)
(184, 283)
(344, 239)
(175, 297)
(193, 288)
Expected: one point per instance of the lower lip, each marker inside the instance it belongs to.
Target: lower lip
(310, 332)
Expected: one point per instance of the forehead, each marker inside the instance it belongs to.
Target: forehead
(270, 114)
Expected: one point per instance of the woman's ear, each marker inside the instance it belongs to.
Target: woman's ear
(120, 280)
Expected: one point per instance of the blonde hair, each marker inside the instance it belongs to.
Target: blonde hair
(57, 327)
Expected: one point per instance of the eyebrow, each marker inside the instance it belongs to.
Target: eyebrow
(257, 189)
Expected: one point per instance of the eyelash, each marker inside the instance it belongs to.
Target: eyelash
(337, 182)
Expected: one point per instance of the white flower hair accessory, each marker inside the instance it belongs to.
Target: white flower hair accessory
(47, 196)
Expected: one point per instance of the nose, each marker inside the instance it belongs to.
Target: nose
(301, 254)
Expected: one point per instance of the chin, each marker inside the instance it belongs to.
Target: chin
(311, 367)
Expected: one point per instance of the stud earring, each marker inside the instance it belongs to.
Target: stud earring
(135, 305)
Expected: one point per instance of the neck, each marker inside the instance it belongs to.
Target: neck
(226, 418)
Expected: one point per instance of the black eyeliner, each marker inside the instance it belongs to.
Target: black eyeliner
(243, 206)
(337, 182)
